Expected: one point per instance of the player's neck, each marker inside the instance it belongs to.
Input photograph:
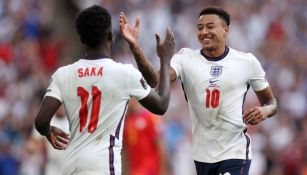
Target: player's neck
(214, 53)
(99, 53)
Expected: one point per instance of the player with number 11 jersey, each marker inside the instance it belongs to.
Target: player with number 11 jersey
(95, 93)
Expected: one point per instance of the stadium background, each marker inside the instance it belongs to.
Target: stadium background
(37, 36)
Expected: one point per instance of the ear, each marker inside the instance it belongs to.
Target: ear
(226, 29)
(110, 36)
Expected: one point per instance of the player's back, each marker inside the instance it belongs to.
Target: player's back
(95, 95)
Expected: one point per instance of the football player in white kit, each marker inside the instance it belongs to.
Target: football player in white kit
(215, 79)
(95, 91)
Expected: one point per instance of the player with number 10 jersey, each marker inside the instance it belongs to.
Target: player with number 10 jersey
(215, 79)
(215, 91)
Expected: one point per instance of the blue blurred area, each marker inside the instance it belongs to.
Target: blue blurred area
(8, 165)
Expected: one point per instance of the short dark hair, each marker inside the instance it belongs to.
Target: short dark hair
(216, 11)
(93, 25)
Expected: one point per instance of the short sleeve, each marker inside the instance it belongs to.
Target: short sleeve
(176, 63)
(257, 75)
(137, 85)
(53, 89)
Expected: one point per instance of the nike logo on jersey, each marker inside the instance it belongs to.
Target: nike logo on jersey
(213, 81)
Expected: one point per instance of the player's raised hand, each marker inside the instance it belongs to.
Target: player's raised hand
(58, 138)
(129, 32)
(165, 50)
(255, 115)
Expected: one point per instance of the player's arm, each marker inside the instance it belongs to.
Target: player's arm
(157, 102)
(58, 138)
(268, 107)
(172, 74)
(131, 33)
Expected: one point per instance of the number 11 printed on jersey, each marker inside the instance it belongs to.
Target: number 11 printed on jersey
(83, 112)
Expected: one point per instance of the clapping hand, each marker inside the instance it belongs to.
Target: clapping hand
(165, 50)
(129, 32)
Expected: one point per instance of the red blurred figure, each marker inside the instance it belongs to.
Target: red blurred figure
(6, 52)
(144, 152)
(50, 49)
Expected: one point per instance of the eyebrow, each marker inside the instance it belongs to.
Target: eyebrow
(209, 23)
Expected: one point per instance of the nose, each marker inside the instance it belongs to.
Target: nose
(202, 32)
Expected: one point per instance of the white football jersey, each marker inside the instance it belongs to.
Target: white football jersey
(215, 89)
(95, 94)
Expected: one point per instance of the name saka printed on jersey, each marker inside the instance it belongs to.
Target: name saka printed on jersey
(90, 71)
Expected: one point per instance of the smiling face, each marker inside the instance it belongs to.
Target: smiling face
(212, 32)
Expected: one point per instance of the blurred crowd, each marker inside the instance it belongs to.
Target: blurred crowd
(37, 36)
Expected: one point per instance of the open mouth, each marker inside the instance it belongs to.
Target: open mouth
(206, 40)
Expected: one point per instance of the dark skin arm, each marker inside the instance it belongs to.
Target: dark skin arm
(172, 74)
(157, 102)
(268, 107)
(57, 138)
(131, 33)
(144, 66)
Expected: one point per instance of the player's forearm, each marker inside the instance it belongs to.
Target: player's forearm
(164, 84)
(271, 106)
(145, 67)
(43, 127)
(48, 108)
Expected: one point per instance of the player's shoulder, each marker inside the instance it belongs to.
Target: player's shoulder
(62, 70)
(185, 55)
(240, 54)
(188, 51)
(125, 67)
(118, 65)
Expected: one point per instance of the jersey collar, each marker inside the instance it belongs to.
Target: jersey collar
(215, 58)
(98, 57)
